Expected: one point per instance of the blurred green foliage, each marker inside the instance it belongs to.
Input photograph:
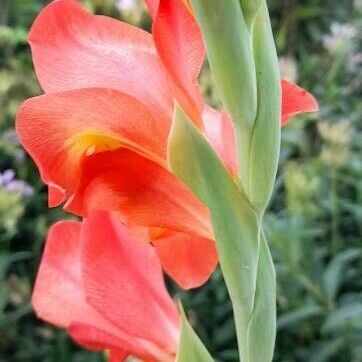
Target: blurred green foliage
(314, 222)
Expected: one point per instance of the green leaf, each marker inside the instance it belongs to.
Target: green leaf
(327, 350)
(346, 315)
(261, 162)
(242, 249)
(235, 224)
(332, 276)
(298, 315)
(190, 348)
(262, 326)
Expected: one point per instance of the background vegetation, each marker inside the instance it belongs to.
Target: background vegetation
(314, 222)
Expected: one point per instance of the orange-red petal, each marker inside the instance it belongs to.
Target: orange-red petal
(119, 271)
(56, 196)
(180, 47)
(187, 259)
(69, 289)
(60, 267)
(96, 339)
(141, 190)
(93, 338)
(117, 356)
(296, 100)
(60, 130)
(59, 296)
(73, 49)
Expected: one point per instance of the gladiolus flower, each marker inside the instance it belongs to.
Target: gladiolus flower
(97, 170)
(106, 290)
(109, 91)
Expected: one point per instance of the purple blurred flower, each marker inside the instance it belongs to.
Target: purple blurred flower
(20, 186)
(8, 182)
(6, 177)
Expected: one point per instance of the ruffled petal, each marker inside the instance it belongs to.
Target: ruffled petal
(187, 259)
(180, 47)
(58, 292)
(296, 100)
(123, 281)
(96, 339)
(58, 295)
(60, 130)
(93, 338)
(142, 191)
(73, 49)
(56, 196)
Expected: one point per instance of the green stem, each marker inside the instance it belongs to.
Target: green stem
(242, 249)
(244, 63)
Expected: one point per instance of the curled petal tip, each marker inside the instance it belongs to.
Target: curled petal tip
(296, 100)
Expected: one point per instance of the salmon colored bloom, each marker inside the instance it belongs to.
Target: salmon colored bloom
(98, 171)
(99, 133)
(106, 290)
(146, 194)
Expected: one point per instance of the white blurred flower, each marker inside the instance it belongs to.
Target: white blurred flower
(340, 34)
(126, 4)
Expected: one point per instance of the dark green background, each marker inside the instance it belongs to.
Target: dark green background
(314, 223)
